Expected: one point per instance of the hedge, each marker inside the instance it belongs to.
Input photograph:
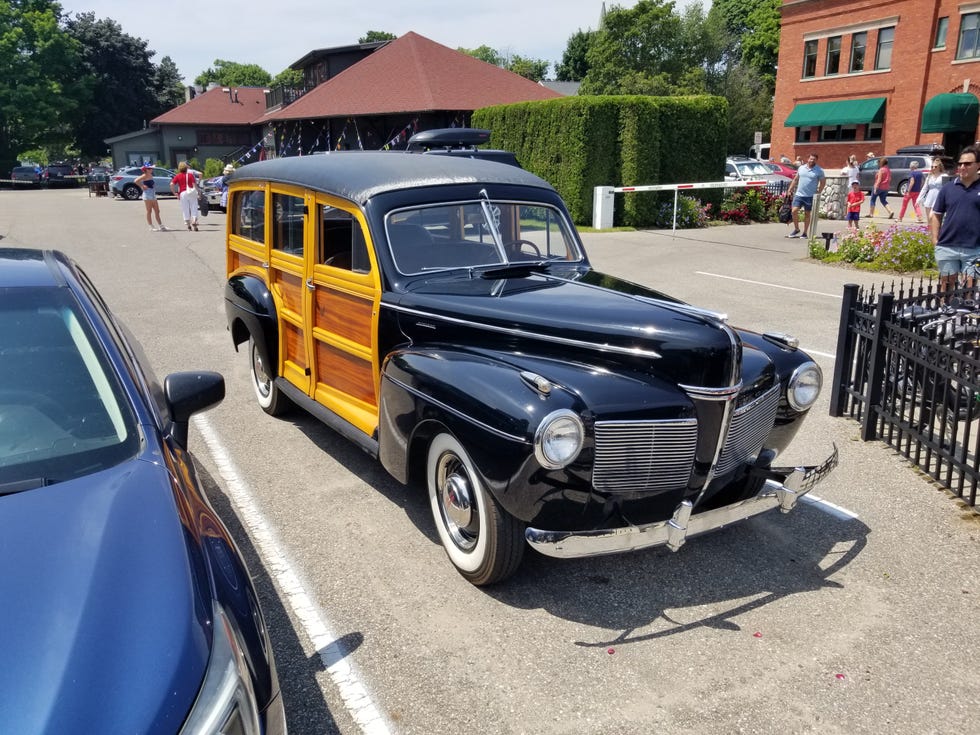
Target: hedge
(578, 143)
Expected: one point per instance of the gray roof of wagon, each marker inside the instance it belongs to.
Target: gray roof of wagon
(360, 175)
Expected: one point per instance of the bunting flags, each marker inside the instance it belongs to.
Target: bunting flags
(402, 136)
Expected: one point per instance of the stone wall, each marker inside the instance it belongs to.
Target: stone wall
(833, 200)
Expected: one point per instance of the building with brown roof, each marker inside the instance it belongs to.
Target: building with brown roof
(368, 96)
(859, 76)
(409, 84)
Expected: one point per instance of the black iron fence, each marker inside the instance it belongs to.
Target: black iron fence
(908, 370)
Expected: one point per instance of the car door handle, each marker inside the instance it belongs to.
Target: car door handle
(310, 285)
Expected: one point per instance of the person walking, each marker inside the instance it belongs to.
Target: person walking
(879, 190)
(930, 187)
(955, 222)
(808, 183)
(855, 198)
(916, 179)
(148, 186)
(184, 186)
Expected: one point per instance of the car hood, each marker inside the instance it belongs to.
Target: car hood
(587, 310)
(103, 624)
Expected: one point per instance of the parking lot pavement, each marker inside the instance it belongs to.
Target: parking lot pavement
(820, 621)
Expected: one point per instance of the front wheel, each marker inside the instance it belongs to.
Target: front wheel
(484, 542)
(270, 398)
(903, 188)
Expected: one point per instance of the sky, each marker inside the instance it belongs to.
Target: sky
(276, 34)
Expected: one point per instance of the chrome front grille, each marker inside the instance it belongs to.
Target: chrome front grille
(633, 456)
(750, 426)
(644, 456)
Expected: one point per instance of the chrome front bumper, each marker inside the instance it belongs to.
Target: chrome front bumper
(674, 532)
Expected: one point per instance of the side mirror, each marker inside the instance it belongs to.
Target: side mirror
(189, 393)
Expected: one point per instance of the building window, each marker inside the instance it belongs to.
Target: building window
(803, 135)
(941, 28)
(967, 48)
(809, 59)
(838, 132)
(883, 56)
(859, 44)
(873, 131)
(833, 55)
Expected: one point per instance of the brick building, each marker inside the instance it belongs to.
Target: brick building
(875, 75)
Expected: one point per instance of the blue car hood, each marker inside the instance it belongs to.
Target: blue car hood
(103, 609)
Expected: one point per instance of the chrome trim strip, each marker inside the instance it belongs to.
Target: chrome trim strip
(635, 352)
(455, 412)
(711, 394)
(675, 531)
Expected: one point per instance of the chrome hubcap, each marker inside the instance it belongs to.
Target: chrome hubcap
(456, 502)
(258, 369)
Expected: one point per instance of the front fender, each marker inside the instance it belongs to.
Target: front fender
(251, 311)
(484, 402)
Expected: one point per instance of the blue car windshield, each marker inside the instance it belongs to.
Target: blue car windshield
(478, 233)
(62, 415)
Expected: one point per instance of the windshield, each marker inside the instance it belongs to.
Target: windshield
(478, 233)
(753, 169)
(61, 413)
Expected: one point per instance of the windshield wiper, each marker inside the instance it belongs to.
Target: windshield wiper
(516, 270)
(19, 486)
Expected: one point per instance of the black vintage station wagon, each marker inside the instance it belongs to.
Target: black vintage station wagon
(442, 313)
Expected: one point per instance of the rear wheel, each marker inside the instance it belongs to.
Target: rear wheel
(132, 192)
(903, 187)
(484, 542)
(270, 398)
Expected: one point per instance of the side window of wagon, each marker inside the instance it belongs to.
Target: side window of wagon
(287, 223)
(342, 243)
(248, 215)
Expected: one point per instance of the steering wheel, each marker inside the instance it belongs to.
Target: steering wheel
(520, 246)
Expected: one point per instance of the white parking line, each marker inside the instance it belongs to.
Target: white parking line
(830, 508)
(770, 285)
(354, 694)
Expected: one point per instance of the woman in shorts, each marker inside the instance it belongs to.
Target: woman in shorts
(146, 183)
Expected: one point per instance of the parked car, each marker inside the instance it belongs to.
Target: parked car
(900, 168)
(25, 176)
(441, 313)
(121, 183)
(126, 605)
(98, 174)
(782, 169)
(59, 174)
(747, 169)
(211, 189)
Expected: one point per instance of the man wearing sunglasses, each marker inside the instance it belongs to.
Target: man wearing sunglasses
(955, 222)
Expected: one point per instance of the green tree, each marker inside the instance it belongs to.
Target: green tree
(41, 90)
(374, 36)
(639, 44)
(533, 69)
(290, 78)
(234, 74)
(127, 90)
(484, 53)
(760, 47)
(168, 84)
(574, 65)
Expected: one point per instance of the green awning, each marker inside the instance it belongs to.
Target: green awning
(947, 113)
(839, 112)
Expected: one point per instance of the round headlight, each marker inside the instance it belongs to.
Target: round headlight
(558, 439)
(804, 386)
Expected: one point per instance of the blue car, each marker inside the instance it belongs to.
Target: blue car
(127, 607)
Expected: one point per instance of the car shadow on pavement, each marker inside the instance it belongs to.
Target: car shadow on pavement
(736, 570)
(711, 582)
(306, 711)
